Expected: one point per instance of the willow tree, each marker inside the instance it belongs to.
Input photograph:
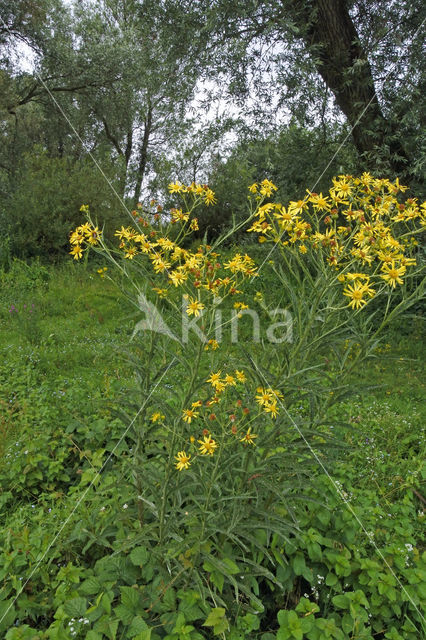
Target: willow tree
(367, 55)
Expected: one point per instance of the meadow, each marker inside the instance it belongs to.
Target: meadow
(316, 532)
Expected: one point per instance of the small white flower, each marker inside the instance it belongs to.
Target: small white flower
(125, 506)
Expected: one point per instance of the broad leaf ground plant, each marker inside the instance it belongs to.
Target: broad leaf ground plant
(218, 505)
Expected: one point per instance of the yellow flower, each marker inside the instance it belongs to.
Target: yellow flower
(160, 292)
(164, 243)
(272, 409)
(209, 197)
(211, 344)
(123, 233)
(157, 416)
(320, 202)
(77, 252)
(182, 461)
(77, 237)
(253, 187)
(393, 274)
(230, 380)
(188, 415)
(265, 396)
(130, 253)
(356, 293)
(341, 187)
(196, 404)
(179, 216)
(175, 187)
(266, 188)
(93, 236)
(241, 377)
(194, 307)
(208, 446)
(177, 277)
(357, 276)
(297, 207)
(249, 438)
(214, 378)
(159, 263)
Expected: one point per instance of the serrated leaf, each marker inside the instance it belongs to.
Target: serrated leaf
(90, 586)
(137, 626)
(131, 599)
(214, 617)
(139, 556)
(75, 607)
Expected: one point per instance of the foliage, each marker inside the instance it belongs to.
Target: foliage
(38, 215)
(290, 157)
(168, 488)
(85, 584)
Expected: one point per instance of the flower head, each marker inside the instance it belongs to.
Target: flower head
(183, 461)
(208, 446)
(248, 438)
(188, 415)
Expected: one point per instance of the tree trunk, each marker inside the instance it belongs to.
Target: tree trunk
(343, 64)
(143, 156)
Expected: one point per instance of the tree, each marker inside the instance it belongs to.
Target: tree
(118, 71)
(350, 46)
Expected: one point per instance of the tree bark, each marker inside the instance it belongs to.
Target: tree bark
(143, 156)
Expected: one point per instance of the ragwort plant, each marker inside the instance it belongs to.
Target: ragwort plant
(359, 243)
(223, 444)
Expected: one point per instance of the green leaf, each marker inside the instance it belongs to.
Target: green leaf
(139, 556)
(331, 579)
(75, 607)
(231, 566)
(137, 626)
(106, 603)
(305, 606)
(90, 586)
(341, 601)
(131, 599)
(298, 563)
(218, 580)
(214, 617)
(144, 635)
(92, 635)
(218, 620)
(7, 615)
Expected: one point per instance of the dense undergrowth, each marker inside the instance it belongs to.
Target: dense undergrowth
(353, 564)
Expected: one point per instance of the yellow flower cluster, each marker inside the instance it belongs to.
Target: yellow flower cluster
(178, 267)
(201, 191)
(360, 222)
(83, 236)
(202, 411)
(233, 415)
(267, 399)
